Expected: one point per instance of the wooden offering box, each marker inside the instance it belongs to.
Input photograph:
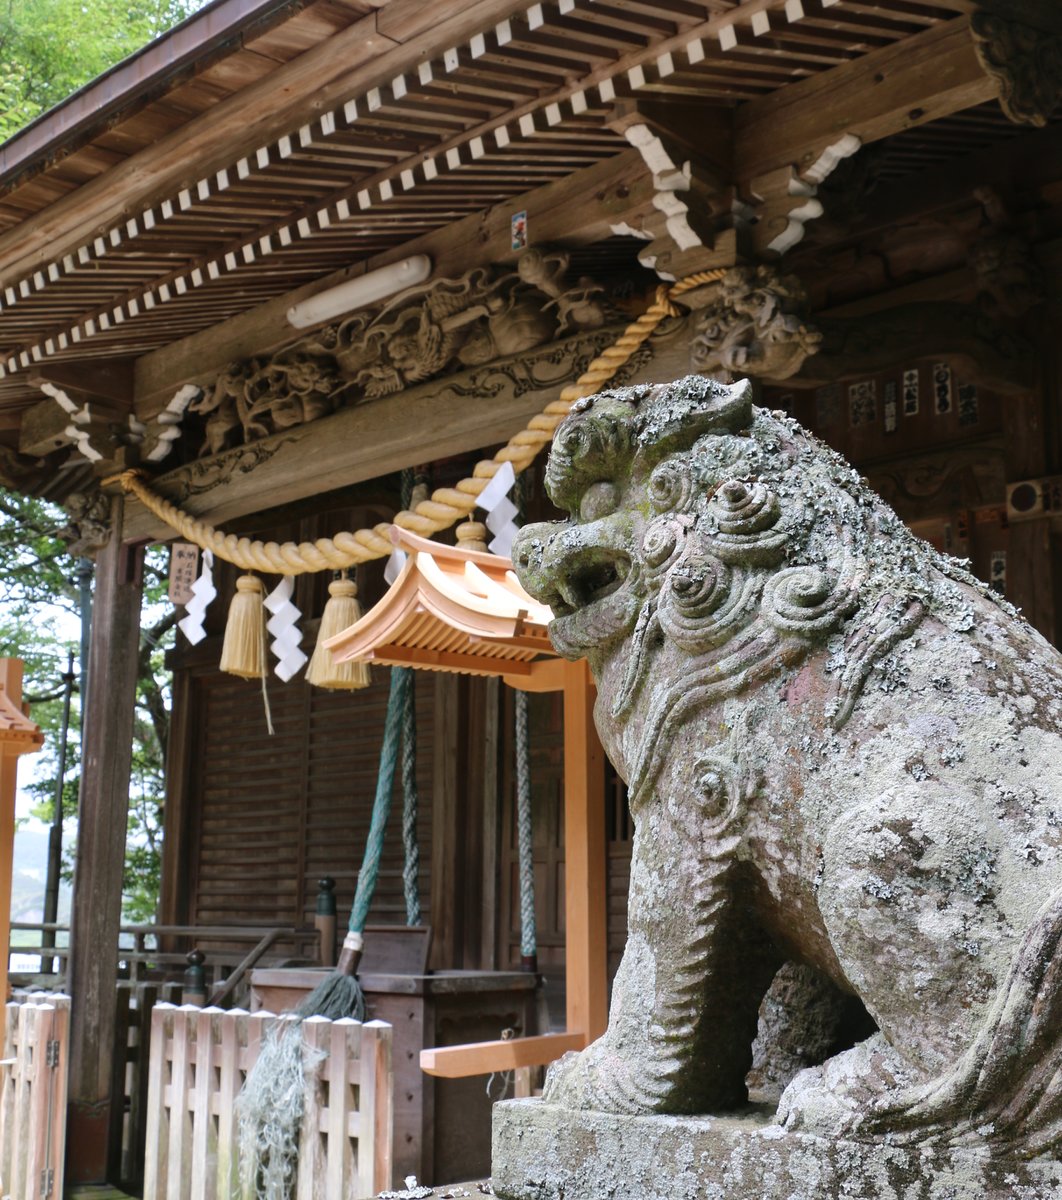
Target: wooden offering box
(441, 1126)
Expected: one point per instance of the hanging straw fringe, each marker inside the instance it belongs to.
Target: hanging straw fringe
(340, 612)
(243, 653)
(446, 505)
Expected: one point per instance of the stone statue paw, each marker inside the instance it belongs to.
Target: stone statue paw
(833, 1099)
(592, 1079)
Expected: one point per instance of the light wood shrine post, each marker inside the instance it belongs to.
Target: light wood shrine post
(462, 610)
(585, 907)
(18, 735)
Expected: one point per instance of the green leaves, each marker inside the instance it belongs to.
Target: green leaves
(50, 48)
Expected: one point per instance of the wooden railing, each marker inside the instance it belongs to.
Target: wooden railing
(199, 1060)
(155, 952)
(33, 1080)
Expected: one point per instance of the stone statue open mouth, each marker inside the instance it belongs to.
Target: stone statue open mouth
(587, 583)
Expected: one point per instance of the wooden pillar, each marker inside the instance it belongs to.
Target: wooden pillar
(586, 915)
(446, 909)
(491, 892)
(103, 806)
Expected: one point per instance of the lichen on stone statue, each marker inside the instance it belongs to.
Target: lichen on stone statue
(842, 750)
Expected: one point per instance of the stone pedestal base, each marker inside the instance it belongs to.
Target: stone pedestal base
(543, 1152)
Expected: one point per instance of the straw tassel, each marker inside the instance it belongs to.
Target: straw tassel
(341, 611)
(244, 650)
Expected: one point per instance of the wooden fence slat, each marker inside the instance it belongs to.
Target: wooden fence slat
(60, 1082)
(230, 1080)
(376, 1105)
(198, 1063)
(312, 1177)
(341, 1160)
(258, 1026)
(7, 1095)
(39, 1103)
(204, 1136)
(20, 1162)
(157, 1139)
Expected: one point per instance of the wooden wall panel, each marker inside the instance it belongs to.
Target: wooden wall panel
(271, 815)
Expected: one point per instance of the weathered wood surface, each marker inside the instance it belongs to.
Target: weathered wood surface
(451, 415)
(580, 208)
(104, 803)
(914, 81)
(33, 1082)
(199, 1061)
(354, 59)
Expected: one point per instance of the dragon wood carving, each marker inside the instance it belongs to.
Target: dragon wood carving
(841, 750)
(427, 331)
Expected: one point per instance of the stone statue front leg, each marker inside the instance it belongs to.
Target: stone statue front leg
(685, 998)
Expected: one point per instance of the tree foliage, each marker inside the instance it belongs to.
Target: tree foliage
(39, 623)
(50, 48)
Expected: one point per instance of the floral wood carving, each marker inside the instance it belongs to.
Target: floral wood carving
(757, 326)
(1026, 62)
(446, 325)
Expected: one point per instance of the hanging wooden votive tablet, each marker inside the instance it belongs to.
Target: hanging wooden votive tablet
(340, 612)
(244, 650)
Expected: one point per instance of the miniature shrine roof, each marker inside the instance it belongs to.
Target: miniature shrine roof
(450, 610)
(17, 732)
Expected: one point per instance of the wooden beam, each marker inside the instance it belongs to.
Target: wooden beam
(579, 209)
(109, 379)
(350, 61)
(372, 439)
(585, 901)
(483, 1058)
(909, 83)
(44, 425)
(547, 675)
(102, 818)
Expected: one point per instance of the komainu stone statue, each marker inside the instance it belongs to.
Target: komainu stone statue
(842, 750)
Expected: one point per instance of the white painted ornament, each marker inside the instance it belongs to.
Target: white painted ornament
(203, 592)
(283, 627)
(500, 510)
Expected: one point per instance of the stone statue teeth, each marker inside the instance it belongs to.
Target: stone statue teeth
(841, 749)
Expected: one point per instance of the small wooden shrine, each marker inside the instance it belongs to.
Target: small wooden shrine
(463, 611)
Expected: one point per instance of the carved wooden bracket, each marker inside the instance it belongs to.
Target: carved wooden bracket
(1025, 62)
(782, 202)
(694, 227)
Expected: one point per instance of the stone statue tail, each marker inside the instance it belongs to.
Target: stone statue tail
(1007, 1087)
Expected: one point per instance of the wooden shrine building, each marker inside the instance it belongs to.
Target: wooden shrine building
(296, 247)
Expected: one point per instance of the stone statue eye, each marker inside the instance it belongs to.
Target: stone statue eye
(599, 500)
